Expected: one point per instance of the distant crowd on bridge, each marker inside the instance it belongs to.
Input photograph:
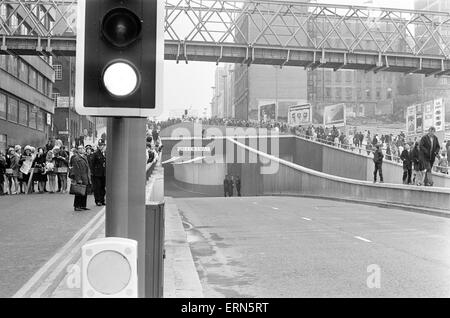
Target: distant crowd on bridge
(392, 147)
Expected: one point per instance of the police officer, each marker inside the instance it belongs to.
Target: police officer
(98, 161)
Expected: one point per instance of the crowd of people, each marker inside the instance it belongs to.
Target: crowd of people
(230, 183)
(48, 169)
(383, 146)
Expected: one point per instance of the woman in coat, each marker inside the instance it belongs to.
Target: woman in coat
(39, 163)
(25, 163)
(50, 171)
(61, 164)
(81, 174)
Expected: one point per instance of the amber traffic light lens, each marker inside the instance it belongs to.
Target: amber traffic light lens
(121, 27)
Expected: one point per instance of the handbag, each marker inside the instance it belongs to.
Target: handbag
(77, 189)
(61, 170)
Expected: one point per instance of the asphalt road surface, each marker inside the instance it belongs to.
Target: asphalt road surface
(32, 229)
(299, 247)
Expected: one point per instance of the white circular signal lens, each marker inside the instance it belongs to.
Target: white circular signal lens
(120, 79)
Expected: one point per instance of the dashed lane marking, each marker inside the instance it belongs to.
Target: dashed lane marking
(307, 219)
(362, 239)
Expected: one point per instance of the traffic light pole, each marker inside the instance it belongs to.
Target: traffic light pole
(125, 184)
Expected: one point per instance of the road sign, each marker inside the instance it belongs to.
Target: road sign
(120, 56)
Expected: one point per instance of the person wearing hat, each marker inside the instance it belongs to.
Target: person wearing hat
(61, 158)
(378, 161)
(25, 163)
(81, 174)
(98, 163)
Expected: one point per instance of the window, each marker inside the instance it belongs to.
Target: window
(3, 143)
(328, 92)
(348, 93)
(32, 78)
(23, 114)
(338, 93)
(23, 71)
(32, 119)
(58, 72)
(389, 93)
(2, 106)
(12, 65)
(338, 76)
(348, 76)
(40, 83)
(3, 61)
(40, 120)
(368, 94)
(49, 88)
(378, 93)
(12, 109)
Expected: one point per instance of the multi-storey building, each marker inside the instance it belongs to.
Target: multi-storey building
(365, 93)
(222, 105)
(26, 85)
(261, 85)
(431, 87)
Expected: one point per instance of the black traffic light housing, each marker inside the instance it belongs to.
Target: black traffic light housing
(128, 35)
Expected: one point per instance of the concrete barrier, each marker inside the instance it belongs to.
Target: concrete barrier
(297, 180)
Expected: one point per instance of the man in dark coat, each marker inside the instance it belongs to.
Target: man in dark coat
(237, 182)
(429, 149)
(226, 185)
(378, 160)
(98, 161)
(406, 157)
(81, 174)
(230, 186)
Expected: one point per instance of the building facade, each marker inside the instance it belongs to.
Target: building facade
(26, 106)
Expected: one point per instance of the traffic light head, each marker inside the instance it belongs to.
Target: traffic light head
(120, 55)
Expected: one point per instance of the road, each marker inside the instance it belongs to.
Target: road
(32, 229)
(301, 247)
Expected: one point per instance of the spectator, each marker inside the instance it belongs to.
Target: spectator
(418, 165)
(39, 164)
(443, 163)
(406, 158)
(80, 174)
(98, 161)
(50, 171)
(378, 161)
(2, 172)
(237, 182)
(429, 149)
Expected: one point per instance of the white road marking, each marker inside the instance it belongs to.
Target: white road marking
(362, 239)
(306, 219)
(275, 208)
(60, 253)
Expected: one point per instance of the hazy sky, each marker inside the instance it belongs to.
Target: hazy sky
(190, 85)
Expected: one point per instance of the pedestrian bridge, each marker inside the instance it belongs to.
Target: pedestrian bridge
(289, 165)
(283, 33)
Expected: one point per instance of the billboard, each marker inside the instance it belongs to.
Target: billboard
(300, 115)
(411, 120)
(334, 115)
(439, 114)
(420, 117)
(267, 111)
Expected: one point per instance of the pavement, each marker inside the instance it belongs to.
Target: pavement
(304, 247)
(180, 276)
(32, 228)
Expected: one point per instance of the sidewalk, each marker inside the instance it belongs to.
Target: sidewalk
(181, 279)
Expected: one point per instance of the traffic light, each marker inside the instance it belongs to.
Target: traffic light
(120, 56)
